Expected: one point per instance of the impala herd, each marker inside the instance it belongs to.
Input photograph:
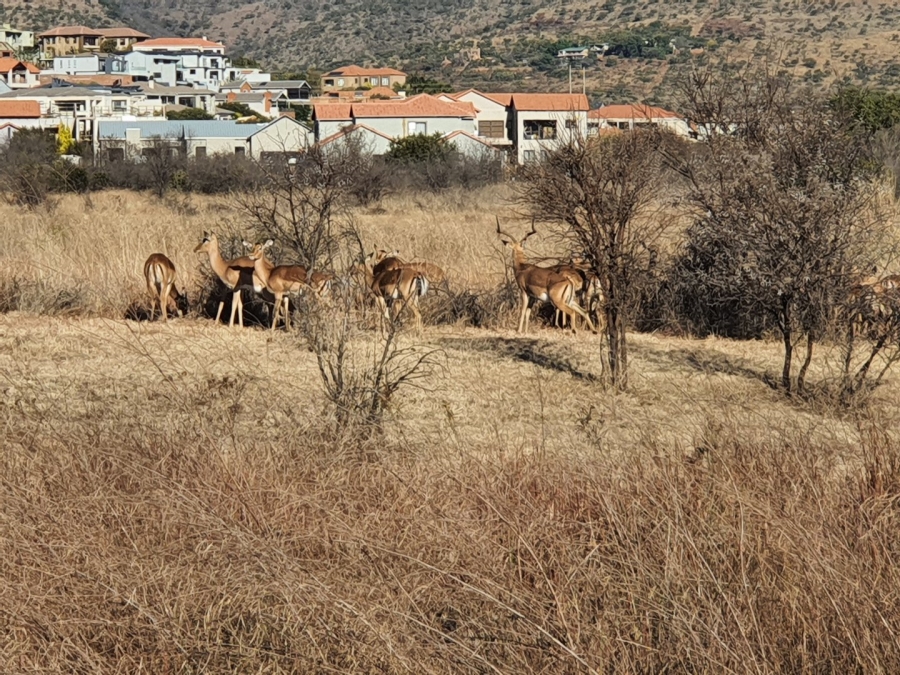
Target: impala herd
(392, 283)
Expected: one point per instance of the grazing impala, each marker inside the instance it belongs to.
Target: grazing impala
(540, 283)
(389, 261)
(396, 284)
(159, 272)
(236, 274)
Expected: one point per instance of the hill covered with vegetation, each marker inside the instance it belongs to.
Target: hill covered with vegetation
(504, 44)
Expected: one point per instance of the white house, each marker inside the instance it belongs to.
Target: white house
(19, 74)
(16, 38)
(491, 114)
(200, 62)
(143, 66)
(93, 63)
(369, 140)
(542, 122)
(120, 140)
(260, 102)
(177, 44)
(422, 114)
(631, 116)
(475, 147)
(154, 97)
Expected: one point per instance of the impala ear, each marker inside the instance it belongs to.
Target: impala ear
(268, 243)
(369, 257)
(247, 244)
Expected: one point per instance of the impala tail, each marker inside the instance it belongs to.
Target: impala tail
(422, 284)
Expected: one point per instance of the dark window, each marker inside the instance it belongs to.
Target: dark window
(239, 151)
(116, 154)
(571, 124)
(200, 151)
(540, 130)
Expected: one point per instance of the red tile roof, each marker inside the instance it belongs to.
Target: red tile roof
(7, 64)
(70, 31)
(421, 105)
(502, 99)
(550, 102)
(357, 71)
(460, 132)
(637, 111)
(179, 42)
(20, 109)
(121, 32)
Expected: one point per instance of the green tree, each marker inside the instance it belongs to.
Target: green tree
(188, 114)
(873, 109)
(420, 148)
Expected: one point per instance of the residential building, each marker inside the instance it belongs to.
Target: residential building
(260, 102)
(121, 140)
(7, 51)
(176, 44)
(631, 116)
(541, 122)
(350, 95)
(491, 114)
(17, 39)
(143, 67)
(368, 140)
(421, 114)
(16, 115)
(92, 63)
(68, 40)
(251, 75)
(156, 98)
(19, 74)
(121, 38)
(475, 147)
(355, 77)
(293, 92)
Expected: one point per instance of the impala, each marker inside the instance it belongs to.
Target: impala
(388, 261)
(280, 280)
(236, 274)
(390, 285)
(540, 283)
(159, 272)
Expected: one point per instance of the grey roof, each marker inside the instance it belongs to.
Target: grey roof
(163, 90)
(177, 129)
(281, 84)
(62, 92)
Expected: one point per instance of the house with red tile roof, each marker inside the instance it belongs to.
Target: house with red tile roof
(356, 77)
(19, 74)
(491, 114)
(64, 40)
(421, 114)
(121, 38)
(636, 115)
(179, 44)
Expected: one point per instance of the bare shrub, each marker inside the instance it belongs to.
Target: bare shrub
(42, 296)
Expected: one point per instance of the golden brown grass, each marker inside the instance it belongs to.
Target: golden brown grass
(174, 499)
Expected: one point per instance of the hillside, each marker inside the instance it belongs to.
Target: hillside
(825, 42)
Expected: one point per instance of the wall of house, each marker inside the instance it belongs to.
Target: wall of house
(533, 148)
(397, 127)
(78, 65)
(475, 149)
(283, 135)
(489, 111)
(326, 128)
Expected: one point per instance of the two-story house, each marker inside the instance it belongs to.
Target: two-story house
(68, 40)
(19, 40)
(355, 77)
(91, 63)
(201, 62)
(491, 114)
(142, 67)
(121, 38)
(542, 122)
(19, 74)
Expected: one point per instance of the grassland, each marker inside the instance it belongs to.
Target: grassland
(174, 498)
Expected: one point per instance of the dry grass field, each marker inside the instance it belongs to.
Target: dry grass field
(174, 498)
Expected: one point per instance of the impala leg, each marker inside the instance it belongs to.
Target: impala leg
(164, 291)
(153, 300)
(219, 311)
(235, 304)
(286, 313)
(276, 308)
(523, 316)
(415, 308)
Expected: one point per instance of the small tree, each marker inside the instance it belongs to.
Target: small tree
(65, 142)
(601, 195)
(420, 148)
(188, 114)
(781, 193)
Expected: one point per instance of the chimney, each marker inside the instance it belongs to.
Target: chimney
(231, 97)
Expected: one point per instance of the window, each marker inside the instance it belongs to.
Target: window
(386, 81)
(116, 154)
(239, 151)
(571, 124)
(529, 155)
(417, 128)
(341, 82)
(200, 151)
(540, 130)
(119, 106)
(492, 129)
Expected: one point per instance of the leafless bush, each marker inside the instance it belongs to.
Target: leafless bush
(42, 296)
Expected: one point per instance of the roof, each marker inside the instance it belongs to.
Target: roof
(19, 109)
(356, 71)
(177, 129)
(637, 111)
(247, 96)
(550, 102)
(100, 80)
(121, 31)
(60, 92)
(279, 120)
(349, 129)
(70, 31)
(280, 84)
(7, 64)
(199, 43)
(501, 99)
(163, 90)
(460, 132)
(332, 112)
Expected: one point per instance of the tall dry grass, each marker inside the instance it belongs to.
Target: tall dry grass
(174, 499)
